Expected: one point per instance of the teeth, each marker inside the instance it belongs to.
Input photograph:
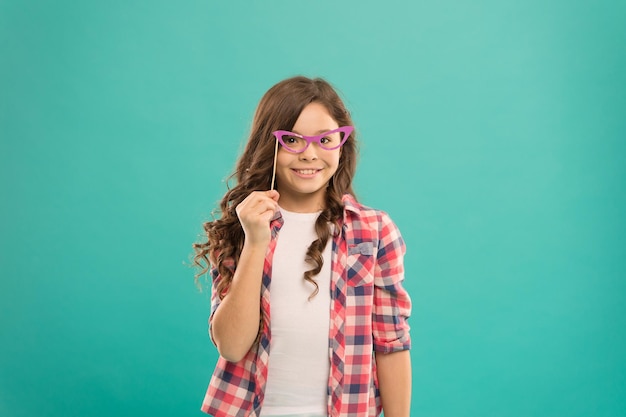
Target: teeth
(306, 171)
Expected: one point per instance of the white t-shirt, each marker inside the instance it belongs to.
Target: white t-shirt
(299, 360)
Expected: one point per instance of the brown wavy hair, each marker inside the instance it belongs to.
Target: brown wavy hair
(278, 109)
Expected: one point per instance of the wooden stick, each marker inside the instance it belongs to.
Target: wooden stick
(274, 170)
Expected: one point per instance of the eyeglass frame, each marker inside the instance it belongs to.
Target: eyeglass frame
(347, 130)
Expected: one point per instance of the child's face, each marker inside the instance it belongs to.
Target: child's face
(302, 177)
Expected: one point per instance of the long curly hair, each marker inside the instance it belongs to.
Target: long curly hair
(278, 109)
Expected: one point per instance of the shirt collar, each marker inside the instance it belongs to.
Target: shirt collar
(350, 203)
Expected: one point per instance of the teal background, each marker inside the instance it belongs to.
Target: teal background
(493, 132)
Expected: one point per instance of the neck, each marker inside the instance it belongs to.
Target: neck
(302, 204)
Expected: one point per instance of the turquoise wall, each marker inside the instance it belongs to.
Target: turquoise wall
(493, 132)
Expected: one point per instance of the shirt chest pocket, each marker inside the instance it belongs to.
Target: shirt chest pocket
(360, 264)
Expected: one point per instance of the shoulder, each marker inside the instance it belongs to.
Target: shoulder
(369, 221)
(353, 210)
(364, 223)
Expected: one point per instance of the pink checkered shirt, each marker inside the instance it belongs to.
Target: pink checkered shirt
(369, 311)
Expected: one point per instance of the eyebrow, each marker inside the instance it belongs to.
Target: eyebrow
(319, 132)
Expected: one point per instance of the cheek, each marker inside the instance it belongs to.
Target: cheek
(282, 159)
(333, 160)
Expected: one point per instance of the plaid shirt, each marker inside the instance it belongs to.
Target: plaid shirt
(369, 309)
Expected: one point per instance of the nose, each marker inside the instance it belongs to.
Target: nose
(310, 153)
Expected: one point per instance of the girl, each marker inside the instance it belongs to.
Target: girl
(308, 309)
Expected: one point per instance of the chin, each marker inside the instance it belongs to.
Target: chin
(309, 192)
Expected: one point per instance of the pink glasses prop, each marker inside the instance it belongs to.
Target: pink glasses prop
(296, 143)
(330, 140)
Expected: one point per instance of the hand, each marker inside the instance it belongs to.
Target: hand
(255, 213)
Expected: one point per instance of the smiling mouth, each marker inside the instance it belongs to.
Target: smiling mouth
(307, 171)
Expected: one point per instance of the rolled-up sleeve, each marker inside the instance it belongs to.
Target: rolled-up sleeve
(215, 299)
(392, 304)
(215, 296)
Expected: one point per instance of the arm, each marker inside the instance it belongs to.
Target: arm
(394, 382)
(392, 308)
(235, 324)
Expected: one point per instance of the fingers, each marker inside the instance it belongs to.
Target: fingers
(255, 213)
(273, 194)
(259, 202)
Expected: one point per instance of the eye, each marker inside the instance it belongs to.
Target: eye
(290, 139)
(326, 140)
